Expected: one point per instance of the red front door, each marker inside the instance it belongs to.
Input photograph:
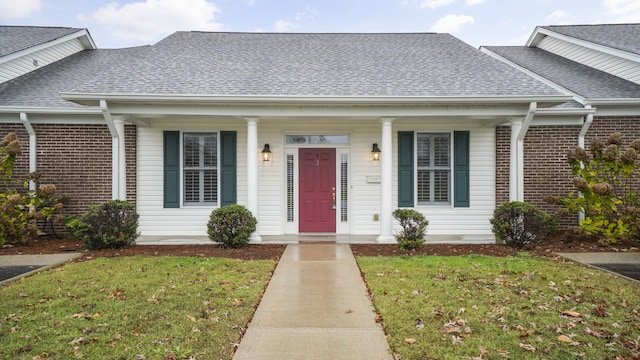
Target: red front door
(317, 190)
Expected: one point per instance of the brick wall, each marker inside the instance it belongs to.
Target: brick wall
(77, 159)
(546, 169)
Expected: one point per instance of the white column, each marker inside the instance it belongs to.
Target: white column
(386, 183)
(122, 160)
(514, 152)
(252, 173)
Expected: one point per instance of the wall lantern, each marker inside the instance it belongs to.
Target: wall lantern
(266, 153)
(375, 152)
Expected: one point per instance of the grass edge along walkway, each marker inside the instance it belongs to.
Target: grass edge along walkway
(478, 307)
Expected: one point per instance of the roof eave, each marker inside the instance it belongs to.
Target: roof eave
(94, 99)
(614, 101)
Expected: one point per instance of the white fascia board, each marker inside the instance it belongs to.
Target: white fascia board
(548, 82)
(616, 102)
(540, 33)
(46, 110)
(83, 35)
(94, 99)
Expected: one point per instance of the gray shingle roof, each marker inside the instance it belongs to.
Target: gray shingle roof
(17, 38)
(617, 36)
(580, 79)
(41, 88)
(202, 63)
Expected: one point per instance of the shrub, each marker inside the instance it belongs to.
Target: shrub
(111, 225)
(607, 181)
(20, 209)
(231, 226)
(414, 227)
(521, 225)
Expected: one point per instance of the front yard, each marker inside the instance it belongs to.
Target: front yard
(480, 307)
(132, 308)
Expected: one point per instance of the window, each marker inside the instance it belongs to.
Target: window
(433, 168)
(200, 168)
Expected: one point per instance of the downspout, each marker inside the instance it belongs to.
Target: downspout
(516, 188)
(115, 150)
(581, 136)
(32, 147)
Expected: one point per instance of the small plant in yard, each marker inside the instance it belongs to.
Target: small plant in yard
(113, 224)
(231, 226)
(414, 227)
(521, 225)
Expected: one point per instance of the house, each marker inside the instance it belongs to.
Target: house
(314, 133)
(599, 66)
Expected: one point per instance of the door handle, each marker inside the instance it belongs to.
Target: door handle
(333, 198)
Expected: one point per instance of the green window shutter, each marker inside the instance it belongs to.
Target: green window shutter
(405, 169)
(171, 169)
(228, 172)
(461, 168)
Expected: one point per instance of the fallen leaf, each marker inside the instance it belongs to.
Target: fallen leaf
(77, 341)
(527, 347)
(410, 341)
(571, 313)
(565, 338)
(191, 318)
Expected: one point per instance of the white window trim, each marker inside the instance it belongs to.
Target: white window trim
(183, 203)
(449, 204)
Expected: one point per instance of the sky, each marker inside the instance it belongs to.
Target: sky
(126, 23)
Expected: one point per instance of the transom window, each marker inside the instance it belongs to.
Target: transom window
(434, 168)
(200, 168)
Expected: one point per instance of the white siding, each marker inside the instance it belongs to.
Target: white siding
(364, 195)
(154, 218)
(22, 65)
(611, 64)
(474, 220)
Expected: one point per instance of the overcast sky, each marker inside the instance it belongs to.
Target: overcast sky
(478, 22)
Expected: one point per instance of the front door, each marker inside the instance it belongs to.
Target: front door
(317, 190)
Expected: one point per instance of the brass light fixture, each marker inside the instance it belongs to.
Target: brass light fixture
(375, 152)
(266, 153)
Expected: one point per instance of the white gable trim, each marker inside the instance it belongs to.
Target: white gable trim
(82, 35)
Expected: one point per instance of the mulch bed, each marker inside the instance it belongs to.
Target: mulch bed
(567, 241)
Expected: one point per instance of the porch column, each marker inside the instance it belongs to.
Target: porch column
(252, 173)
(386, 183)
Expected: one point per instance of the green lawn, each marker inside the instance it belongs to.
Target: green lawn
(132, 308)
(478, 307)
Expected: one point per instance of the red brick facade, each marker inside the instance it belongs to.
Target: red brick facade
(546, 169)
(77, 159)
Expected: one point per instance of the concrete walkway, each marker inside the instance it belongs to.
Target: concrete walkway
(26, 265)
(315, 307)
(625, 264)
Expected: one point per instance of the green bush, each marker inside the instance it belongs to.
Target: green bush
(414, 226)
(521, 225)
(231, 226)
(111, 225)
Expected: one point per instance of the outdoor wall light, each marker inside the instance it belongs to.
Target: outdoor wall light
(375, 152)
(266, 153)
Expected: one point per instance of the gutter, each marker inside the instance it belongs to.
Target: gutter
(516, 168)
(118, 164)
(32, 147)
